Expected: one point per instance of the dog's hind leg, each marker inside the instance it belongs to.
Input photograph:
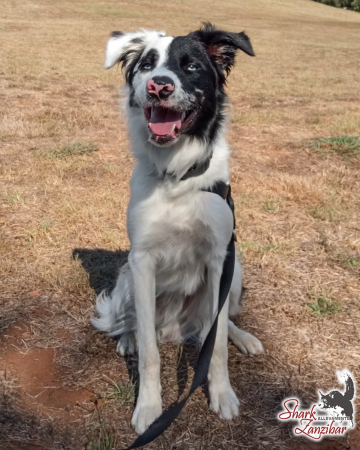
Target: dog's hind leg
(127, 344)
(236, 290)
(245, 342)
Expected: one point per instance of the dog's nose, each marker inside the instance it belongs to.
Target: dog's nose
(161, 87)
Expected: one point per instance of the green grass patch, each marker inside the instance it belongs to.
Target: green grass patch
(13, 198)
(345, 146)
(348, 262)
(351, 263)
(253, 249)
(248, 246)
(342, 258)
(326, 213)
(44, 225)
(105, 442)
(271, 206)
(122, 391)
(324, 305)
(323, 212)
(68, 150)
(103, 437)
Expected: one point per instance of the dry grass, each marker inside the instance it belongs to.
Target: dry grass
(296, 187)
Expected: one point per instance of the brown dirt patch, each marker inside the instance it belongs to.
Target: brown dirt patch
(38, 377)
(13, 335)
(41, 383)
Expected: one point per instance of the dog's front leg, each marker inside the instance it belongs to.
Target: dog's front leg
(223, 399)
(148, 406)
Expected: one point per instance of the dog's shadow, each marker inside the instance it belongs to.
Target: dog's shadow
(102, 267)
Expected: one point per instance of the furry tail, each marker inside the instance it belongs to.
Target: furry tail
(349, 387)
(115, 312)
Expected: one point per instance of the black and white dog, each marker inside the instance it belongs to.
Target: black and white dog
(179, 233)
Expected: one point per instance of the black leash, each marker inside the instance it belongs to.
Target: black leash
(203, 362)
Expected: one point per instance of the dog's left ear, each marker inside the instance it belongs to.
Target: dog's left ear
(223, 45)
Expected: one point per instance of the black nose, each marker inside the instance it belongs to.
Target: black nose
(161, 87)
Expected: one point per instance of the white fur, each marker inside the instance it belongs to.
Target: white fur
(178, 234)
(119, 45)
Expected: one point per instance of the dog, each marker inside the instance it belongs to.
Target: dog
(168, 290)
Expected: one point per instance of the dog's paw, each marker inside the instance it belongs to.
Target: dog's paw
(126, 344)
(145, 413)
(224, 402)
(247, 343)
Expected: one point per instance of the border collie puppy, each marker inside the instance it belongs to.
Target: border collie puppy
(178, 230)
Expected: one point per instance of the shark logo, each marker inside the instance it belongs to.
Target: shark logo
(340, 403)
(337, 406)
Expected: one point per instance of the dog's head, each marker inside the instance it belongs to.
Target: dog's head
(177, 82)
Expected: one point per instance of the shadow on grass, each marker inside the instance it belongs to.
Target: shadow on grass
(102, 266)
(20, 428)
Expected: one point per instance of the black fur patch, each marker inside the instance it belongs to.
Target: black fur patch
(212, 51)
(137, 40)
(132, 102)
(222, 45)
(205, 84)
(116, 34)
(151, 57)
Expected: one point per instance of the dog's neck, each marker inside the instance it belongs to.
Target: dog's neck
(198, 169)
(187, 159)
(177, 160)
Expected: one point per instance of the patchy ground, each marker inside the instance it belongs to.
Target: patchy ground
(64, 171)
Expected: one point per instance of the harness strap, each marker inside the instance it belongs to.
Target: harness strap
(203, 362)
(224, 190)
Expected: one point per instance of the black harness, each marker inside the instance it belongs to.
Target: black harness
(224, 190)
(202, 367)
(219, 188)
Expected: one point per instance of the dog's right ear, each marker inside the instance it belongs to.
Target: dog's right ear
(126, 48)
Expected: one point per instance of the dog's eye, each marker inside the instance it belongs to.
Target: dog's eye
(192, 67)
(146, 66)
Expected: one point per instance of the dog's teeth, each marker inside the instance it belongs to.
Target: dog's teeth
(183, 115)
(173, 128)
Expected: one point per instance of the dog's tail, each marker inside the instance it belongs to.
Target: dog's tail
(115, 312)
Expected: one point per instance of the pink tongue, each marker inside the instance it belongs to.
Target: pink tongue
(163, 120)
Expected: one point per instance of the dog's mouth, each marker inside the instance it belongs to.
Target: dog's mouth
(165, 125)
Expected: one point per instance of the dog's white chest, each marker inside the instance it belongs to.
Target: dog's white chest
(177, 227)
(179, 236)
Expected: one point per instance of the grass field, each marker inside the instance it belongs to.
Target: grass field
(65, 165)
